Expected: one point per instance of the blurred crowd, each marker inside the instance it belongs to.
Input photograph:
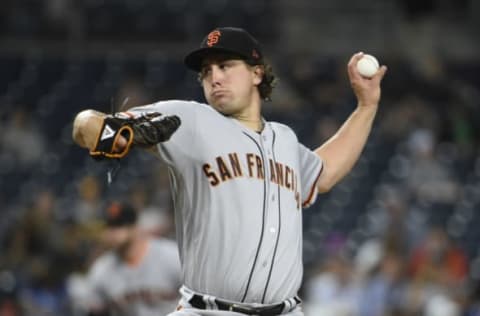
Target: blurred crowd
(399, 236)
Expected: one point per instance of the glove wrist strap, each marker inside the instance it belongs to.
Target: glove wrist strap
(109, 135)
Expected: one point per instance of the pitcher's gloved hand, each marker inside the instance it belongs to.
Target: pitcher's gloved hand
(144, 131)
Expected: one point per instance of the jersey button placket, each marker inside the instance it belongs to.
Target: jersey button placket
(268, 233)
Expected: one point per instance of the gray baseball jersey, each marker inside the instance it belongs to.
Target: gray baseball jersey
(238, 197)
(144, 290)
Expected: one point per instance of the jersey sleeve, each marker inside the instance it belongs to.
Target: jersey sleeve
(182, 142)
(311, 167)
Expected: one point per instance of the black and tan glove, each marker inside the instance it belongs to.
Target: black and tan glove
(144, 131)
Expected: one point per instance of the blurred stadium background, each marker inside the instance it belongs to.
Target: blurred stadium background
(399, 236)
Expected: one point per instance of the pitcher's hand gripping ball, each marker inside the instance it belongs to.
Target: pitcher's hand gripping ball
(145, 131)
(368, 66)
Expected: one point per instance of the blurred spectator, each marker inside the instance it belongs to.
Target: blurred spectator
(472, 306)
(44, 294)
(442, 305)
(332, 288)
(395, 221)
(9, 303)
(410, 112)
(139, 195)
(138, 275)
(87, 203)
(438, 260)
(438, 270)
(21, 138)
(429, 180)
(154, 218)
(36, 234)
(383, 291)
(161, 182)
(35, 254)
(156, 222)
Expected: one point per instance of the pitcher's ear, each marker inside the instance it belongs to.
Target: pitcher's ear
(258, 71)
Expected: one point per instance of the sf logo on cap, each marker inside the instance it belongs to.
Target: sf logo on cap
(213, 38)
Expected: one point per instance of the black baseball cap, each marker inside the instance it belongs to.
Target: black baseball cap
(120, 214)
(226, 40)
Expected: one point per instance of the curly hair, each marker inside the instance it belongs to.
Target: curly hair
(269, 80)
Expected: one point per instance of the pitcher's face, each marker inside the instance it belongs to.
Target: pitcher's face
(229, 85)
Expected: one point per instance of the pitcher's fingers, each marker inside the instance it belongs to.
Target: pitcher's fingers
(380, 73)
(120, 144)
(352, 65)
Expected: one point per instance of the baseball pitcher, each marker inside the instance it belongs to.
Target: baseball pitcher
(239, 182)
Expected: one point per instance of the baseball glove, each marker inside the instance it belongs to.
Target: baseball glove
(144, 131)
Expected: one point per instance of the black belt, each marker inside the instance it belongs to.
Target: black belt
(197, 302)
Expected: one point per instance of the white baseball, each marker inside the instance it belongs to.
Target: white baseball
(367, 66)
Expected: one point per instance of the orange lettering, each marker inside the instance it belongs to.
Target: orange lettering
(259, 168)
(237, 170)
(250, 164)
(294, 181)
(279, 171)
(288, 184)
(211, 174)
(272, 172)
(222, 167)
